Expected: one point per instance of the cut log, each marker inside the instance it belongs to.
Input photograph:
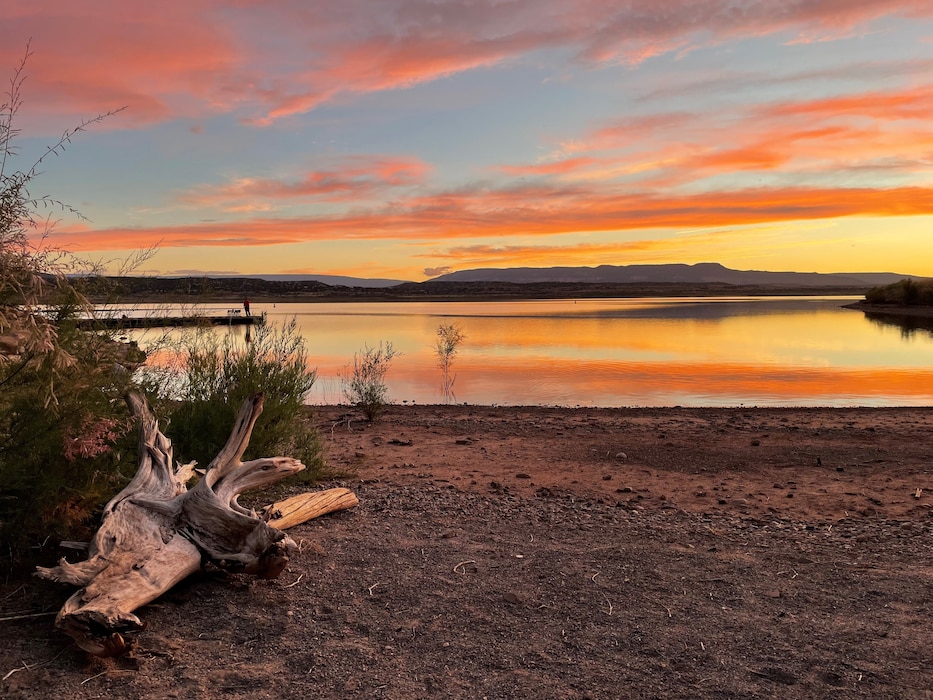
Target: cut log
(306, 506)
(156, 531)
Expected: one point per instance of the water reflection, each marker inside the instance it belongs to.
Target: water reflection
(650, 352)
(908, 325)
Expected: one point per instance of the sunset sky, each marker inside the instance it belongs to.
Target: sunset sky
(408, 138)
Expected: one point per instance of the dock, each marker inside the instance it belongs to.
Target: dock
(129, 322)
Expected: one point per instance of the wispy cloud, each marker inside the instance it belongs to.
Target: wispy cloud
(714, 143)
(212, 56)
(523, 212)
(357, 178)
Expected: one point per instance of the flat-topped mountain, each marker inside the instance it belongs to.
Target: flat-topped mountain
(700, 273)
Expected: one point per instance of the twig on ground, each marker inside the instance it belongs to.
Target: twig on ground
(297, 581)
(102, 673)
(669, 613)
(24, 667)
(27, 667)
(370, 589)
(26, 616)
(608, 602)
(463, 563)
(10, 595)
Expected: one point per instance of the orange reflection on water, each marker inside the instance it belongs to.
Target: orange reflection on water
(628, 352)
(664, 383)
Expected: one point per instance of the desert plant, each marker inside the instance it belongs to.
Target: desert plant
(446, 345)
(364, 381)
(63, 425)
(201, 390)
(64, 432)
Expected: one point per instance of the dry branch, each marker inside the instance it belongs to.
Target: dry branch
(156, 531)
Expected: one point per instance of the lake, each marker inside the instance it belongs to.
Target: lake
(761, 351)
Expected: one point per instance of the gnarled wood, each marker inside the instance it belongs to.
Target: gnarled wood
(156, 531)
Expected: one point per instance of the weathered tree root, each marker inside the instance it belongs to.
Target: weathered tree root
(156, 531)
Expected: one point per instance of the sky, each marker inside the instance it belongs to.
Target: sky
(404, 139)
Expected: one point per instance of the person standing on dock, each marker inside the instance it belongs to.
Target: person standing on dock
(246, 305)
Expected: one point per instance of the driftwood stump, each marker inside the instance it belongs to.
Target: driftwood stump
(156, 531)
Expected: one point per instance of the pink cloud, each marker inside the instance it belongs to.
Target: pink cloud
(538, 211)
(266, 61)
(356, 178)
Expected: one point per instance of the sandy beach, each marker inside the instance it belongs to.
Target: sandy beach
(558, 553)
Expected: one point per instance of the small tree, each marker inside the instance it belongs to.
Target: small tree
(449, 338)
(62, 421)
(364, 381)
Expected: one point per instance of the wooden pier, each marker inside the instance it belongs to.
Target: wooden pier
(129, 322)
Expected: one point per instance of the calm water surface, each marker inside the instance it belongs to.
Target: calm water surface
(777, 351)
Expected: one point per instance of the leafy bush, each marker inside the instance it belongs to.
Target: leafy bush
(63, 451)
(364, 381)
(200, 394)
(907, 292)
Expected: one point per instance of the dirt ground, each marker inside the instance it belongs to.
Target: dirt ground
(558, 553)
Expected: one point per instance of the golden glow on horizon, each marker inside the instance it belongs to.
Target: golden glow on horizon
(403, 145)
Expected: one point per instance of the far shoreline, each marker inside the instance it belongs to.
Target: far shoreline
(235, 291)
(899, 310)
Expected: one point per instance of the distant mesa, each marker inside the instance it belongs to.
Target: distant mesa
(332, 280)
(700, 273)
(604, 281)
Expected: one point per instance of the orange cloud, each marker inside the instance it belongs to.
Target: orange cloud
(523, 211)
(885, 106)
(854, 132)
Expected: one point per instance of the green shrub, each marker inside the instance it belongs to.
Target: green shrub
(199, 396)
(66, 438)
(907, 292)
(364, 381)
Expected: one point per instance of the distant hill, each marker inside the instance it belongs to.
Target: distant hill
(701, 273)
(605, 281)
(333, 280)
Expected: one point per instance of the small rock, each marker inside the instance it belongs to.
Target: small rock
(621, 456)
(522, 475)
